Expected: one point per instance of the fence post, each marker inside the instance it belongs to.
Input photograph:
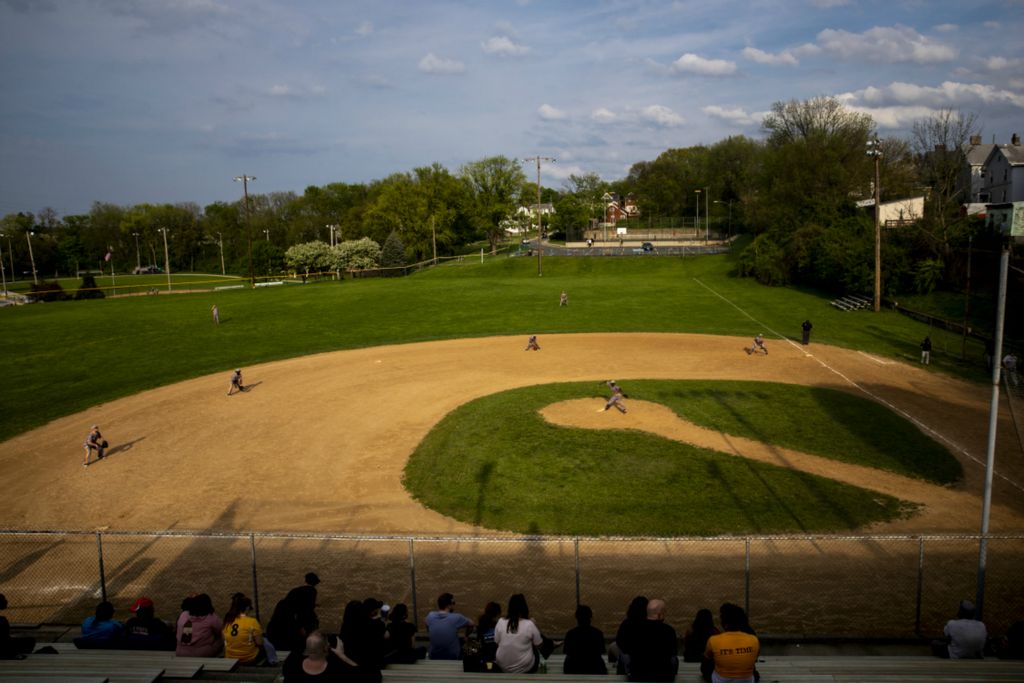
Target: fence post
(255, 578)
(103, 575)
(412, 582)
(920, 586)
(576, 548)
(746, 577)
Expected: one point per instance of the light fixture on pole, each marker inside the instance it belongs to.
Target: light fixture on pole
(267, 233)
(167, 259)
(138, 254)
(244, 179)
(32, 258)
(540, 242)
(729, 236)
(875, 150)
(220, 241)
(332, 228)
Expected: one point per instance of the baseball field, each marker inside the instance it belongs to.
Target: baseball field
(409, 407)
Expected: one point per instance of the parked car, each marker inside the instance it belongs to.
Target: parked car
(647, 246)
(147, 270)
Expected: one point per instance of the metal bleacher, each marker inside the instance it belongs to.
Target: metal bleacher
(852, 302)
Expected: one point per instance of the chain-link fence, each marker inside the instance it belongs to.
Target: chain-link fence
(810, 586)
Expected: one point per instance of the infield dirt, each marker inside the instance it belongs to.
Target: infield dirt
(319, 443)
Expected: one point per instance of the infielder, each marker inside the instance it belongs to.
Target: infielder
(758, 346)
(616, 398)
(531, 344)
(236, 381)
(94, 440)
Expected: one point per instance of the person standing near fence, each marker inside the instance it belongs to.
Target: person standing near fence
(1010, 365)
(926, 350)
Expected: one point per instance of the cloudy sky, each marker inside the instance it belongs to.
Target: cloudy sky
(131, 101)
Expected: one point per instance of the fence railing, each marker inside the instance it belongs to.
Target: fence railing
(826, 586)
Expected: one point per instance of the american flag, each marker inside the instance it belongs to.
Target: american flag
(107, 257)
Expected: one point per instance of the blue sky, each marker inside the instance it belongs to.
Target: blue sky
(166, 100)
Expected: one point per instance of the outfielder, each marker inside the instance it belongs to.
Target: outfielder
(758, 346)
(616, 398)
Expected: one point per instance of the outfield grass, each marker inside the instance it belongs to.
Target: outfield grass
(514, 471)
(59, 358)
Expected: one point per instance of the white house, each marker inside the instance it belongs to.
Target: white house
(1004, 173)
(973, 182)
(898, 212)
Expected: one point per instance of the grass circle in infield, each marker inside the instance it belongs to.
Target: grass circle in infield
(498, 462)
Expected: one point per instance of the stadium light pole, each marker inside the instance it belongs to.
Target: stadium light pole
(696, 217)
(538, 159)
(167, 259)
(267, 233)
(3, 271)
(220, 241)
(244, 179)
(138, 254)
(875, 150)
(31, 257)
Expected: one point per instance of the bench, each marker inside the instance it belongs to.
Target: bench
(269, 284)
(117, 666)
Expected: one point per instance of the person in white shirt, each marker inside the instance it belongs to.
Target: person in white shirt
(517, 638)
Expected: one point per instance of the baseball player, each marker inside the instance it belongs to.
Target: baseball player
(563, 300)
(215, 312)
(616, 398)
(758, 346)
(236, 381)
(94, 440)
(531, 344)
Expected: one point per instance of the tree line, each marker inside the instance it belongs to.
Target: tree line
(794, 192)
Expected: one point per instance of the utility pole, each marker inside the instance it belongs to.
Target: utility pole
(244, 179)
(540, 242)
(707, 214)
(167, 259)
(433, 238)
(220, 241)
(3, 271)
(875, 150)
(10, 257)
(696, 217)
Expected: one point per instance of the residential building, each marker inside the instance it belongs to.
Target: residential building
(1003, 179)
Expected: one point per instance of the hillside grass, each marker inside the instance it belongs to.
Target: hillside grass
(60, 358)
(496, 463)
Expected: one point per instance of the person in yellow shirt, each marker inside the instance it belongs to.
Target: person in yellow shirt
(731, 656)
(243, 636)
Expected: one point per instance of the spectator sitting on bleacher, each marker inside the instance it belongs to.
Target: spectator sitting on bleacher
(303, 600)
(101, 629)
(731, 656)
(485, 631)
(318, 660)
(144, 631)
(199, 629)
(12, 648)
(965, 636)
(376, 634)
(357, 636)
(402, 637)
(636, 613)
(695, 639)
(584, 646)
(243, 635)
(518, 638)
(289, 625)
(443, 626)
(654, 654)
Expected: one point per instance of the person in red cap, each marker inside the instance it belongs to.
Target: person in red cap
(144, 631)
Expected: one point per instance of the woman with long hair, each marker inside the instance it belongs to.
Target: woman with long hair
(199, 629)
(485, 626)
(636, 614)
(243, 635)
(517, 638)
(696, 637)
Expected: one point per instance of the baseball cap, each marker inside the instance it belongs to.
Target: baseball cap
(312, 579)
(140, 603)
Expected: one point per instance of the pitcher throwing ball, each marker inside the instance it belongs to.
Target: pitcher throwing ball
(615, 399)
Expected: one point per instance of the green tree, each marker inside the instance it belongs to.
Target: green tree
(310, 257)
(495, 185)
(393, 253)
(361, 254)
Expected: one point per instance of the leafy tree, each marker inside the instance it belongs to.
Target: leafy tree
(361, 254)
(495, 185)
(393, 253)
(310, 257)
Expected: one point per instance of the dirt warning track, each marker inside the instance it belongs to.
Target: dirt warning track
(319, 443)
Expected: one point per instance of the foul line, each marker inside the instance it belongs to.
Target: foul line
(920, 425)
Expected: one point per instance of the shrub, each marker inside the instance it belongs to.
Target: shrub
(88, 289)
(48, 291)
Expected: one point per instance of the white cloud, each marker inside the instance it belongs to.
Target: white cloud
(734, 115)
(602, 115)
(289, 91)
(785, 58)
(1000, 63)
(885, 44)
(828, 4)
(432, 64)
(949, 94)
(365, 28)
(947, 28)
(505, 46)
(661, 116)
(549, 113)
(691, 63)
